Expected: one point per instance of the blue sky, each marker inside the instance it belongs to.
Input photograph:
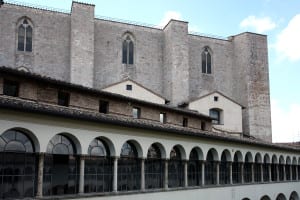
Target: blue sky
(279, 19)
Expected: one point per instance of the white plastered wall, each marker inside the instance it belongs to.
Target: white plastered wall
(232, 112)
(137, 92)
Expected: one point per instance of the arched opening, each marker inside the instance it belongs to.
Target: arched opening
(281, 168)
(206, 61)
(211, 167)
(154, 168)
(127, 50)
(25, 35)
(129, 168)
(288, 169)
(294, 169)
(248, 168)
(61, 167)
(98, 173)
(237, 168)
(266, 173)
(18, 165)
(281, 197)
(176, 168)
(265, 198)
(257, 168)
(294, 196)
(274, 166)
(225, 168)
(194, 168)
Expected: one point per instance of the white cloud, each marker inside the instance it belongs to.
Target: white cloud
(285, 122)
(288, 40)
(260, 25)
(168, 16)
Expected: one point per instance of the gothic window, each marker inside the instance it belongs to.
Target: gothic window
(25, 36)
(175, 168)
(98, 173)
(17, 166)
(206, 61)
(129, 168)
(216, 115)
(154, 168)
(127, 51)
(194, 169)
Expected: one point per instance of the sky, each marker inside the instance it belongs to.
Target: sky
(278, 19)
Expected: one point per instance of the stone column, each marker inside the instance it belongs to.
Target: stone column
(262, 172)
(39, 192)
(203, 173)
(270, 172)
(218, 172)
(185, 173)
(252, 173)
(230, 173)
(115, 176)
(166, 186)
(284, 175)
(242, 173)
(143, 174)
(81, 175)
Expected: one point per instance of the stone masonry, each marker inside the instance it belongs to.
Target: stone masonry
(85, 50)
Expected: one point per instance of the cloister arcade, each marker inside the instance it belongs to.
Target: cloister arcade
(64, 167)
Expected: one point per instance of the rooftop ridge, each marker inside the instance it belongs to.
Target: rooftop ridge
(35, 6)
(208, 35)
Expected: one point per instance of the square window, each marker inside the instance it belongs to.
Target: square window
(128, 87)
(185, 122)
(11, 88)
(163, 117)
(216, 98)
(136, 112)
(103, 106)
(63, 98)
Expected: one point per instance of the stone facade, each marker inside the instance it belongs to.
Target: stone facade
(82, 49)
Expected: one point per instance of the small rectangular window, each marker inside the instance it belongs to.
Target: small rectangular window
(216, 98)
(63, 98)
(128, 87)
(163, 117)
(185, 122)
(11, 88)
(103, 106)
(136, 112)
(203, 126)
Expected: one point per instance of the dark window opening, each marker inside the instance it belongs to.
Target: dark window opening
(63, 98)
(215, 114)
(216, 98)
(11, 88)
(103, 106)
(128, 87)
(203, 126)
(185, 122)
(163, 117)
(136, 112)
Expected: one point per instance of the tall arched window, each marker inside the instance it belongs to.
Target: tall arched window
(129, 168)
(281, 168)
(274, 166)
(194, 169)
(17, 165)
(98, 171)
(61, 167)
(257, 168)
(154, 168)
(127, 50)
(175, 168)
(206, 61)
(248, 168)
(25, 36)
(236, 169)
(266, 168)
